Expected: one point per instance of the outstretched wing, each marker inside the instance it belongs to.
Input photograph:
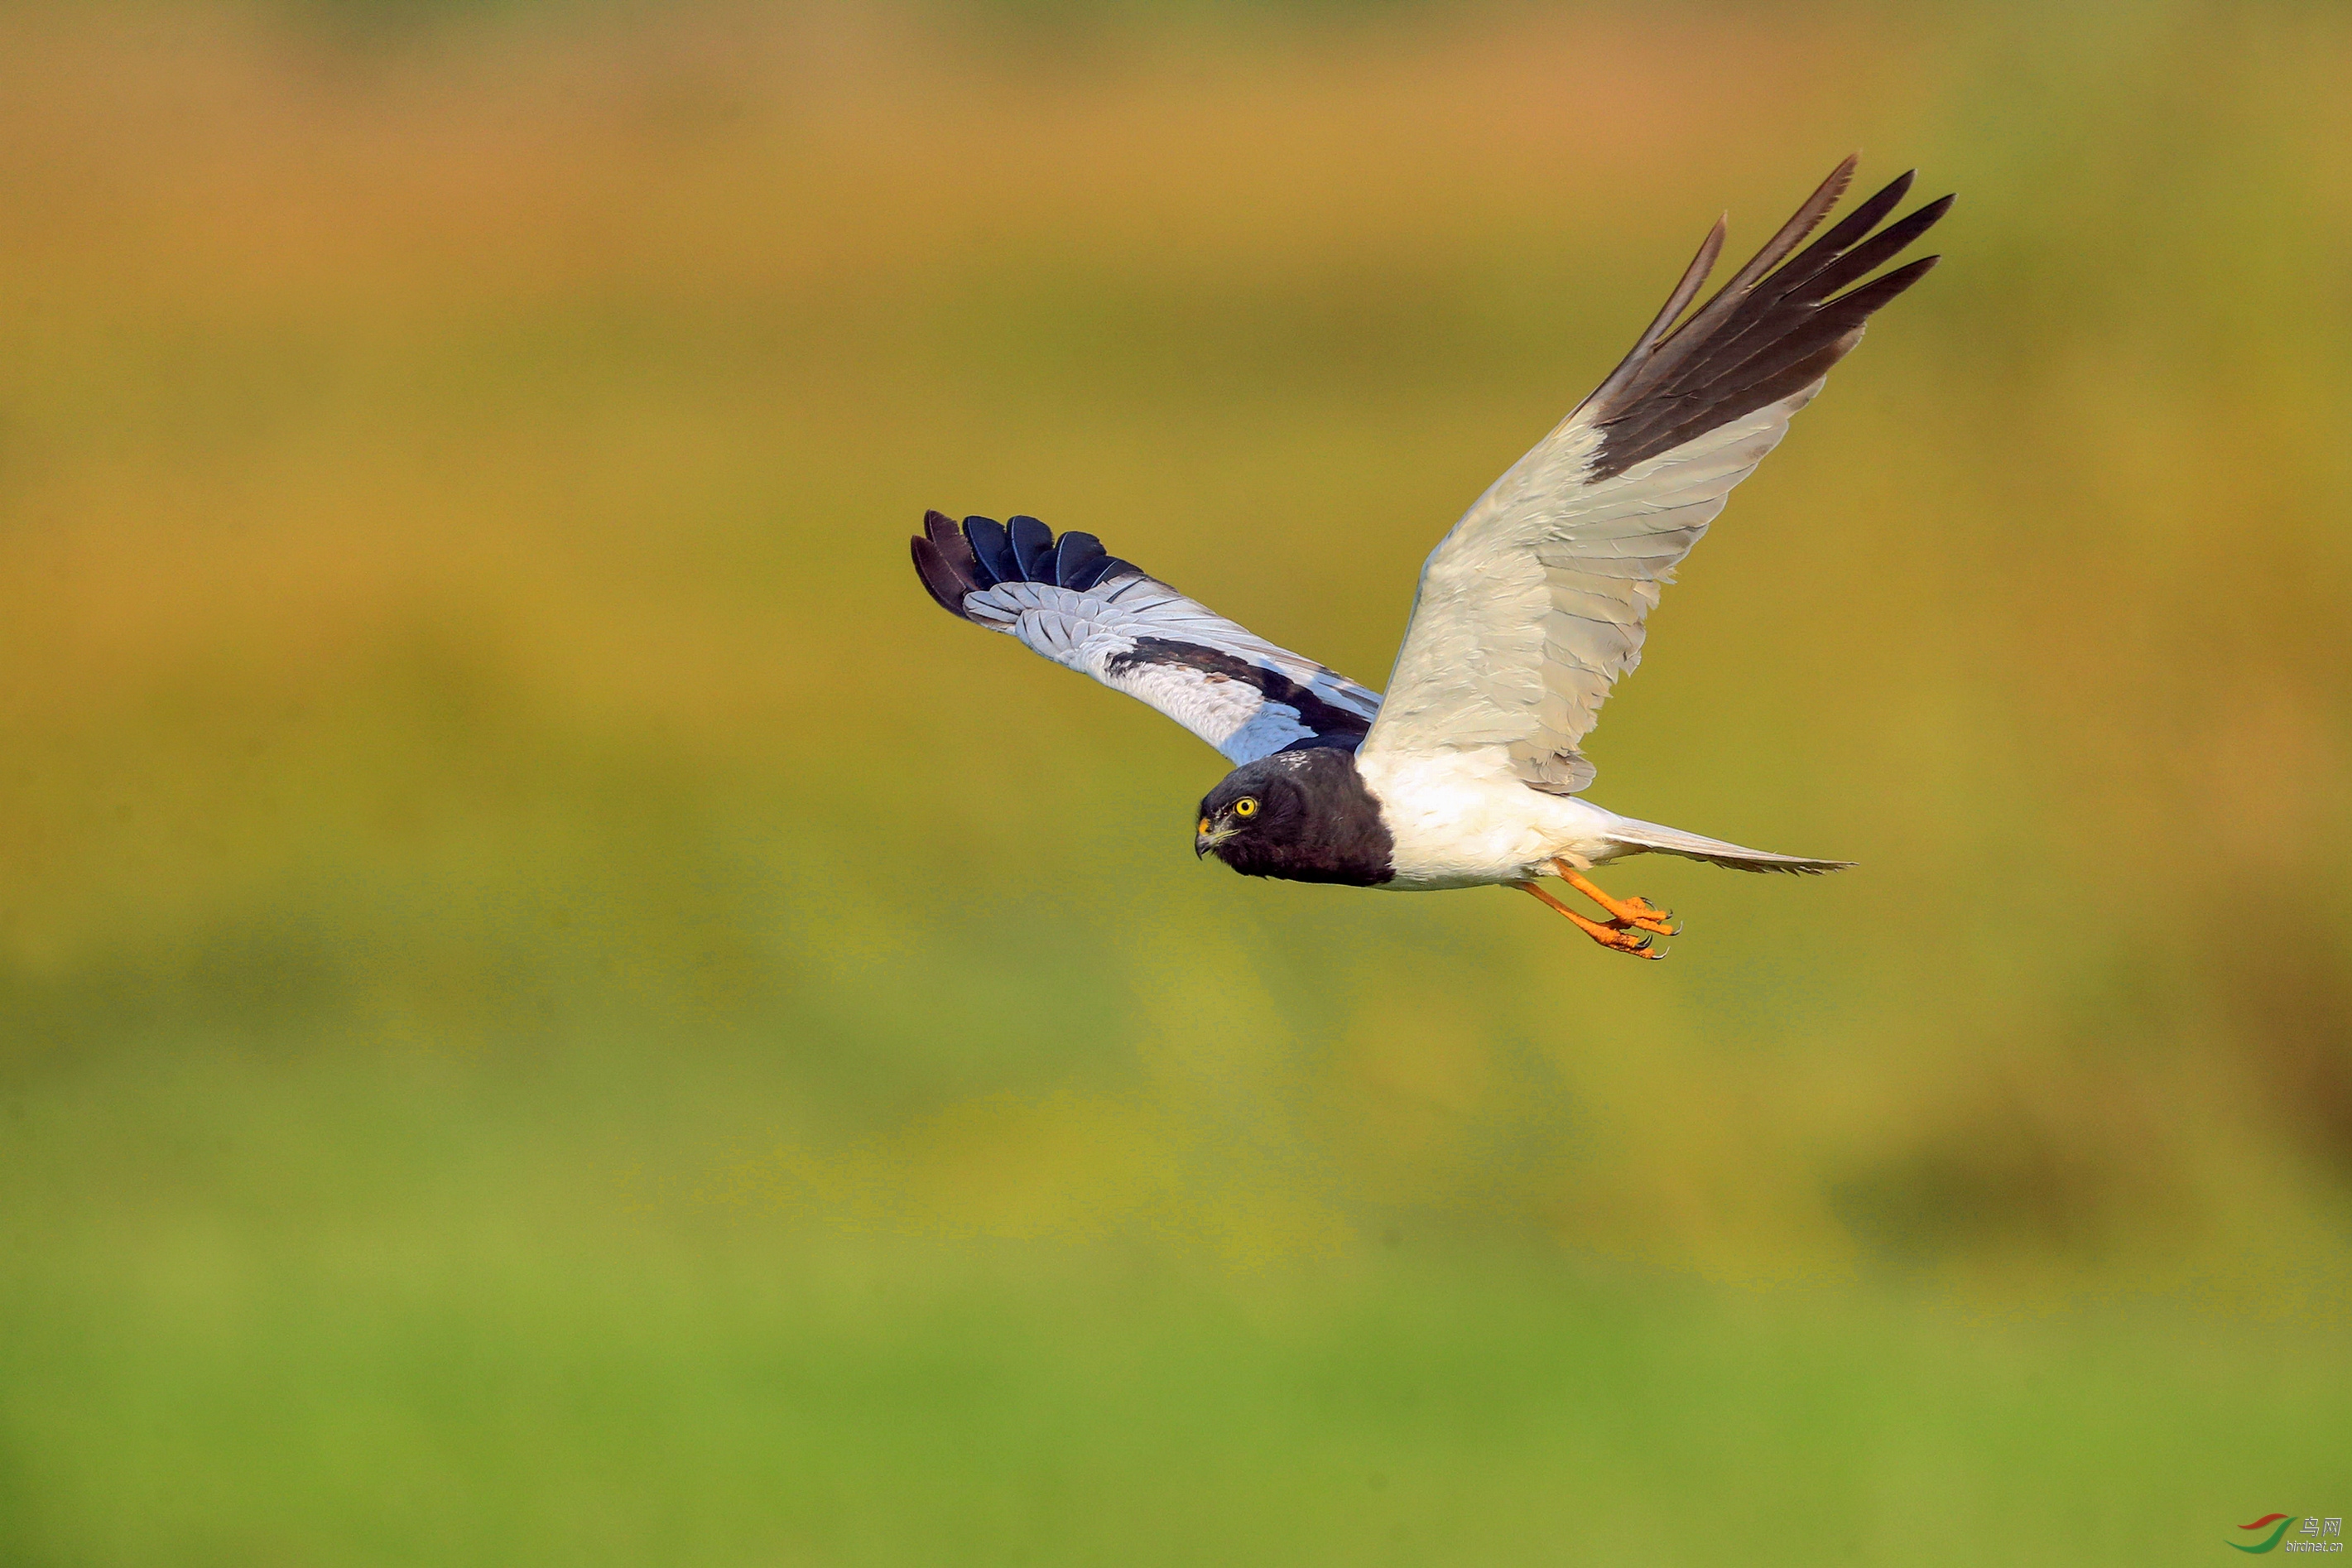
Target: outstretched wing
(1079, 607)
(1533, 605)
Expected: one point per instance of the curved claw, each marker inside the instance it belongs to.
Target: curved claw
(1621, 940)
(1642, 913)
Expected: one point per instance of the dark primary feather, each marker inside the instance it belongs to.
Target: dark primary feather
(944, 560)
(1077, 561)
(1766, 334)
(994, 550)
(953, 561)
(1033, 549)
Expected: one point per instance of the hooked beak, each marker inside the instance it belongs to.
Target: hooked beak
(1205, 838)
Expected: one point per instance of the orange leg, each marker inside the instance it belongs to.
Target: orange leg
(1617, 939)
(1622, 911)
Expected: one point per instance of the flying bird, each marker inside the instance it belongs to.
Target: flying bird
(1469, 772)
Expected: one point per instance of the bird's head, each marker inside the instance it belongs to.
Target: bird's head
(1251, 816)
(1303, 815)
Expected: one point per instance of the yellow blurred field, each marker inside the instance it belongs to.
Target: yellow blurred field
(538, 970)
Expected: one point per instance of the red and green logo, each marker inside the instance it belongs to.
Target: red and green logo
(2281, 1520)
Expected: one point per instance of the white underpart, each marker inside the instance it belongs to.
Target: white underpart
(1467, 819)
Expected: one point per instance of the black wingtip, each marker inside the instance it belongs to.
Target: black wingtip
(1778, 326)
(1824, 277)
(955, 560)
(1079, 560)
(940, 579)
(1862, 302)
(992, 549)
(1033, 548)
(953, 547)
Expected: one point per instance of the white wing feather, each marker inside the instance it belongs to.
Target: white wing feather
(1132, 633)
(1068, 601)
(1534, 603)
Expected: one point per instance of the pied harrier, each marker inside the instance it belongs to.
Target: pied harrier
(1468, 773)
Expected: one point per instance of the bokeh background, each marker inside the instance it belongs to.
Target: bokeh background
(557, 1011)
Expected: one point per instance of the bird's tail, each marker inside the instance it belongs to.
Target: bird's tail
(1657, 839)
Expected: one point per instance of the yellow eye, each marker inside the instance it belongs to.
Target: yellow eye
(1245, 807)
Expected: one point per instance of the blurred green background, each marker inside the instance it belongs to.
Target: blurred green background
(557, 1011)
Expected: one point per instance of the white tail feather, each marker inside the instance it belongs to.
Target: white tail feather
(1657, 840)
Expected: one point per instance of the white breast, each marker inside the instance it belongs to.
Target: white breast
(1464, 819)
